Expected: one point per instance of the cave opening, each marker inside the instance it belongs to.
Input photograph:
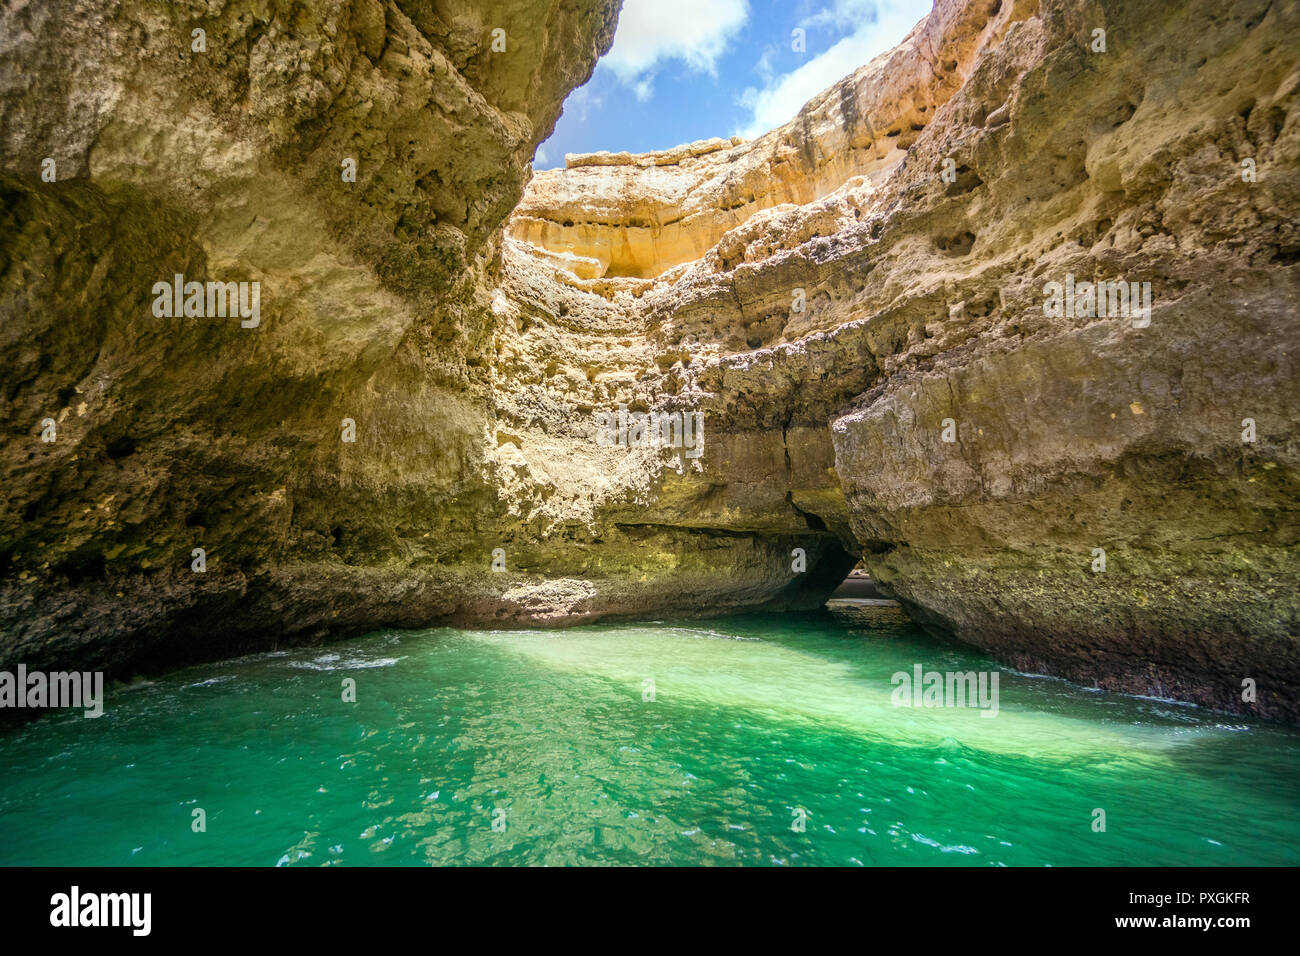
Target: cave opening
(858, 585)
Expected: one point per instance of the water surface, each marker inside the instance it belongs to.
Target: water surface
(754, 723)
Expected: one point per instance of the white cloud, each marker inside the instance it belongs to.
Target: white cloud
(764, 66)
(653, 31)
(842, 14)
(582, 102)
(539, 158)
(878, 26)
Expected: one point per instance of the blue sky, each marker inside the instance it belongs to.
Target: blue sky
(682, 70)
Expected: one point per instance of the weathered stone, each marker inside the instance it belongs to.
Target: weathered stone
(923, 300)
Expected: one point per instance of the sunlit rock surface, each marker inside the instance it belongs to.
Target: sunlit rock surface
(923, 306)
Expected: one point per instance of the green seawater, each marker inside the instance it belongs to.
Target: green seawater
(753, 722)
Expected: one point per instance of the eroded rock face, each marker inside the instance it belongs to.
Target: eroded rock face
(828, 299)
(1171, 446)
(221, 156)
(641, 215)
(924, 294)
(380, 311)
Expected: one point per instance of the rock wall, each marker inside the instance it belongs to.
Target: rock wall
(980, 452)
(221, 156)
(833, 301)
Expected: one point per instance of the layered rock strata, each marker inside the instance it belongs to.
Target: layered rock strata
(1107, 495)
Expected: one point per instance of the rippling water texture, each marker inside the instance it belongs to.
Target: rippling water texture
(752, 720)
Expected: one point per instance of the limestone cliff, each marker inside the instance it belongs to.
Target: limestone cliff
(217, 141)
(858, 303)
(834, 301)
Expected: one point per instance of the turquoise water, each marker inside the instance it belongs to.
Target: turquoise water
(752, 721)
